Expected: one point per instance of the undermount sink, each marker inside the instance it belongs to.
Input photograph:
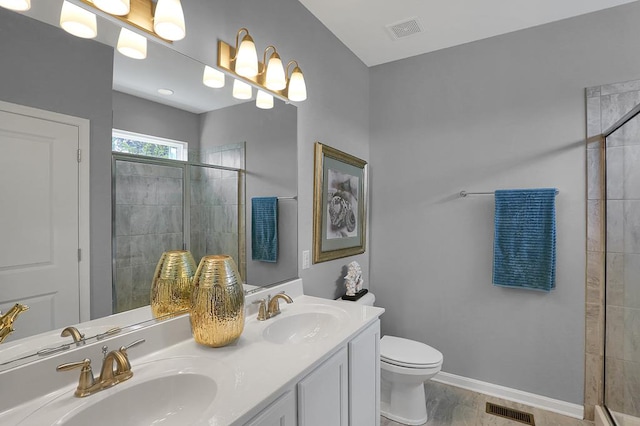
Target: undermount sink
(174, 400)
(304, 327)
(167, 392)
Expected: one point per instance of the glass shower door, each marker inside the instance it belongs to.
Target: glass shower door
(622, 329)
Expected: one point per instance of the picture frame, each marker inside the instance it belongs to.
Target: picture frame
(339, 204)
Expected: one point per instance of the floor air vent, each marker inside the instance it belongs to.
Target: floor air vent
(510, 413)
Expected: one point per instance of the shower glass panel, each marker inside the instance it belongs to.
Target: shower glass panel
(622, 348)
(148, 220)
(214, 212)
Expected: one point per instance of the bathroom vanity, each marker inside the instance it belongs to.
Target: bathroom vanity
(317, 363)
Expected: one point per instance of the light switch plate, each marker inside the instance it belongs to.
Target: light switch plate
(305, 259)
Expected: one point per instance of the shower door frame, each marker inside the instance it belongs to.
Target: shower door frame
(635, 111)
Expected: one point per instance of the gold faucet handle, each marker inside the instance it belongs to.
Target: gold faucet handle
(262, 309)
(124, 349)
(86, 381)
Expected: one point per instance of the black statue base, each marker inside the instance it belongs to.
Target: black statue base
(356, 296)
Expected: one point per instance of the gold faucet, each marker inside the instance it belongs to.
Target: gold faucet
(78, 337)
(88, 385)
(271, 307)
(6, 320)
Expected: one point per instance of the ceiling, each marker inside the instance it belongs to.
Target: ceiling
(362, 24)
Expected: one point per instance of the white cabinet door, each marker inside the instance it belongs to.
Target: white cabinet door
(323, 394)
(364, 377)
(281, 413)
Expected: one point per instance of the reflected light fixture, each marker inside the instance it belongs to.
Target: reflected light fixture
(114, 7)
(246, 59)
(165, 92)
(168, 21)
(132, 44)
(241, 90)
(274, 77)
(269, 75)
(78, 21)
(17, 5)
(212, 77)
(296, 88)
(264, 100)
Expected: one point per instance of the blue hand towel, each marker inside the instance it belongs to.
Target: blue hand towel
(524, 249)
(264, 229)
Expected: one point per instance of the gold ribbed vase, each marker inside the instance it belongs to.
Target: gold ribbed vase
(172, 283)
(217, 302)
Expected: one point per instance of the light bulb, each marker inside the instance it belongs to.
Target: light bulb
(114, 7)
(264, 100)
(132, 44)
(275, 79)
(168, 21)
(247, 58)
(297, 88)
(212, 77)
(78, 21)
(241, 90)
(17, 5)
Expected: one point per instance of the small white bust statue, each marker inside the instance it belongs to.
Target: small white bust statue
(353, 280)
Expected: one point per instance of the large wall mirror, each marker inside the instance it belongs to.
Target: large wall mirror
(46, 68)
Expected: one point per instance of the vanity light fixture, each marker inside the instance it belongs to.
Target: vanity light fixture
(241, 90)
(132, 44)
(78, 21)
(246, 59)
(163, 19)
(269, 75)
(212, 77)
(17, 5)
(168, 21)
(296, 87)
(274, 77)
(264, 100)
(113, 7)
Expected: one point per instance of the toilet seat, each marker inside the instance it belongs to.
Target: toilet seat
(408, 353)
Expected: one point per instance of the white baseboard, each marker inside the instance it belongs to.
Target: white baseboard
(510, 394)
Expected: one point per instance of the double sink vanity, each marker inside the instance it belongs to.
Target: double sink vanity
(316, 363)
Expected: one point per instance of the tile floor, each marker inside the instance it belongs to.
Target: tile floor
(452, 406)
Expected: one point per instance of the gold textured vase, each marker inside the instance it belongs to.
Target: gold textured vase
(172, 283)
(217, 302)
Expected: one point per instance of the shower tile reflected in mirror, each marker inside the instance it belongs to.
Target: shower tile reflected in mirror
(148, 221)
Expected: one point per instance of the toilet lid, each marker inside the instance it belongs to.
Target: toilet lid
(408, 353)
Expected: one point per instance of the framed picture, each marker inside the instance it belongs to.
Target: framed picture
(339, 204)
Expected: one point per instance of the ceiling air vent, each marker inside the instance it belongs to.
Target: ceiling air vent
(510, 413)
(404, 29)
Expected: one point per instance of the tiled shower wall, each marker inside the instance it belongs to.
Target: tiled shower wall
(148, 222)
(217, 204)
(605, 106)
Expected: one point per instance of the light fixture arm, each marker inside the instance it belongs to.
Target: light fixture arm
(264, 58)
(293, 61)
(235, 56)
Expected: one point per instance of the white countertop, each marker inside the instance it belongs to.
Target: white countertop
(250, 374)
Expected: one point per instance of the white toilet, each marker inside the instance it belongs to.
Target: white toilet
(404, 366)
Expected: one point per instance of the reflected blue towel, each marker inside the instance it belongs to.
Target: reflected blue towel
(264, 229)
(524, 249)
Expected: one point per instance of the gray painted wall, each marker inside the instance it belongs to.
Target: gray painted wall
(336, 112)
(44, 67)
(139, 115)
(505, 112)
(271, 164)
